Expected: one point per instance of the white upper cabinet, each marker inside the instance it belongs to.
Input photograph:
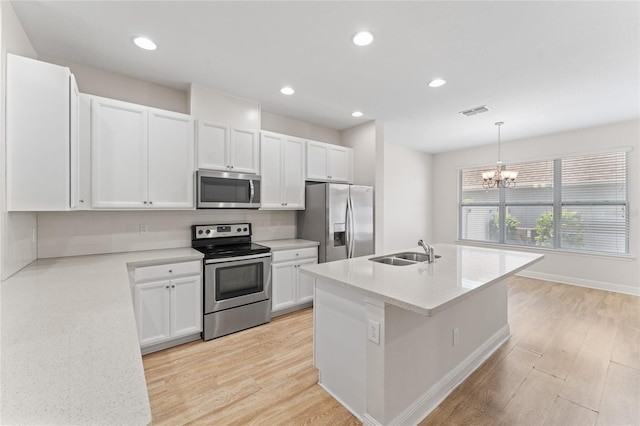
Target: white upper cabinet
(227, 148)
(171, 159)
(282, 171)
(329, 163)
(141, 157)
(41, 108)
(119, 154)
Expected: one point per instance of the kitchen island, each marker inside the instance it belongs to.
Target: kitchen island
(391, 342)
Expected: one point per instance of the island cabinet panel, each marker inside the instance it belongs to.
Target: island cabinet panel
(415, 365)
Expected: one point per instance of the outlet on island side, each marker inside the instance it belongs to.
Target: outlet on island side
(144, 229)
(374, 331)
(456, 336)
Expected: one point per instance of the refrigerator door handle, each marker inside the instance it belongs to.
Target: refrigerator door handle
(347, 233)
(350, 232)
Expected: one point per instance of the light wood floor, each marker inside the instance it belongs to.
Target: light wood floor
(573, 359)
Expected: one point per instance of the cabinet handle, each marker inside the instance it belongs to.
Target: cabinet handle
(144, 202)
(81, 201)
(297, 254)
(150, 202)
(232, 167)
(170, 271)
(167, 287)
(173, 286)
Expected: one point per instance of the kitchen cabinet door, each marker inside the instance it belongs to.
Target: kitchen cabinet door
(305, 282)
(152, 309)
(282, 172)
(38, 135)
(244, 151)
(317, 161)
(171, 160)
(186, 306)
(340, 164)
(213, 146)
(283, 282)
(329, 163)
(293, 171)
(271, 171)
(119, 154)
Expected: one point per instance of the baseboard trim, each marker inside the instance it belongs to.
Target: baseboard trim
(428, 402)
(170, 343)
(597, 285)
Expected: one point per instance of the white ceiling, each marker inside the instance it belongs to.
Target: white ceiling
(541, 66)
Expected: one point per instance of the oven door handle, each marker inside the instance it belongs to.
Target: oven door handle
(238, 258)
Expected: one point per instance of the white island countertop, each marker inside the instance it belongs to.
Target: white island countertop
(422, 287)
(70, 350)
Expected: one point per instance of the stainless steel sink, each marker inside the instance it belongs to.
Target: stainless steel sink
(392, 261)
(402, 259)
(415, 257)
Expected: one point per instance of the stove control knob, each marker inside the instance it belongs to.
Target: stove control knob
(200, 232)
(245, 229)
(239, 230)
(208, 231)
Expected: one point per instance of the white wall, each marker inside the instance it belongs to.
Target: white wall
(407, 198)
(18, 248)
(362, 139)
(93, 232)
(94, 81)
(221, 108)
(292, 127)
(605, 272)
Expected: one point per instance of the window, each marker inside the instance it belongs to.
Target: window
(574, 203)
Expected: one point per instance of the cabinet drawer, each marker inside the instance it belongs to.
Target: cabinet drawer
(288, 255)
(169, 270)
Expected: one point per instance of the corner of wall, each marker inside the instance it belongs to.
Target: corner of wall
(18, 248)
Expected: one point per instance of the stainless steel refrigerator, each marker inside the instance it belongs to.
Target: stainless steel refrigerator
(340, 217)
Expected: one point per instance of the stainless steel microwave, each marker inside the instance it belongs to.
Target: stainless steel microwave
(226, 190)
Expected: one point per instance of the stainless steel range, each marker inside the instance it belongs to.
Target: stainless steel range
(237, 278)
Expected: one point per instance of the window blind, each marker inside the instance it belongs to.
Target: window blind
(575, 203)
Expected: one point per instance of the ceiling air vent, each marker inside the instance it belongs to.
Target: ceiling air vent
(474, 111)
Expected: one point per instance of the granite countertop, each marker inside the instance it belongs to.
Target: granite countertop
(70, 350)
(425, 288)
(288, 244)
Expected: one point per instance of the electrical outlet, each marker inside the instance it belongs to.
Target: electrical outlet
(456, 336)
(144, 229)
(374, 331)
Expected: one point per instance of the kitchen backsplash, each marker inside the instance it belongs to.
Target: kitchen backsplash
(91, 232)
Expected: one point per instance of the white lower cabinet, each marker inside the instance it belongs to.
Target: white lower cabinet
(168, 304)
(291, 290)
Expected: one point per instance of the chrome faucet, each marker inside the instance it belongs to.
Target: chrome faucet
(428, 250)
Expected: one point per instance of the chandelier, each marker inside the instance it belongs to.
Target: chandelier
(499, 177)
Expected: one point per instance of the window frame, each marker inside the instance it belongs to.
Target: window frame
(556, 206)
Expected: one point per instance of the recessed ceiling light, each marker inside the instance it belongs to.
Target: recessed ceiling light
(437, 82)
(357, 114)
(144, 43)
(287, 90)
(363, 38)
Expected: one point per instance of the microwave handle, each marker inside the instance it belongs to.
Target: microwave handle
(253, 191)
